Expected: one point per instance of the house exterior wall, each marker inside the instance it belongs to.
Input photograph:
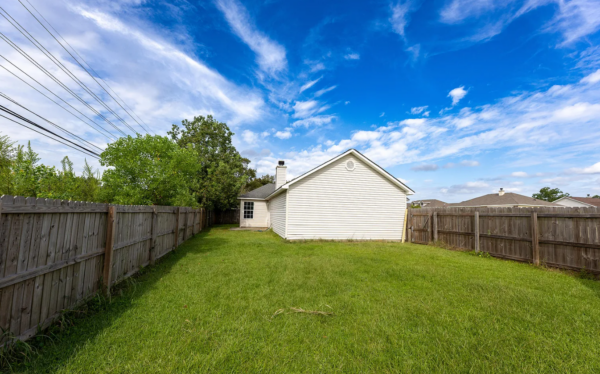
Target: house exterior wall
(572, 203)
(337, 203)
(261, 214)
(277, 210)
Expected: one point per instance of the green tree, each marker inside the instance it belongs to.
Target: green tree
(7, 158)
(596, 196)
(222, 171)
(549, 194)
(254, 182)
(149, 170)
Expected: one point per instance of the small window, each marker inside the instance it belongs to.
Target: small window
(350, 165)
(248, 209)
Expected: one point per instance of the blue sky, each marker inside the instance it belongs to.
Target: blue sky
(457, 98)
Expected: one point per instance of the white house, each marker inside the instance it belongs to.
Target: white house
(578, 202)
(347, 197)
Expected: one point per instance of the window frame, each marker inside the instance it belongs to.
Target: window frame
(248, 210)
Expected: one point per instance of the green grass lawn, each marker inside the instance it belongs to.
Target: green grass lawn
(397, 308)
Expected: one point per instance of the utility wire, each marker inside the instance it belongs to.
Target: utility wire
(50, 122)
(57, 81)
(79, 148)
(88, 65)
(109, 136)
(60, 65)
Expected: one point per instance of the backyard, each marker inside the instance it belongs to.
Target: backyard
(222, 303)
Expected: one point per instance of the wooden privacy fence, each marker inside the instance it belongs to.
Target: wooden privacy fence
(567, 238)
(54, 254)
(223, 217)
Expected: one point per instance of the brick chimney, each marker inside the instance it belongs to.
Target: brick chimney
(280, 174)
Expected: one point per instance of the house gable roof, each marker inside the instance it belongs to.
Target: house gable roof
(361, 157)
(432, 203)
(509, 199)
(260, 192)
(591, 201)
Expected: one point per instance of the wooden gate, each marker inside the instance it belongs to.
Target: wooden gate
(419, 228)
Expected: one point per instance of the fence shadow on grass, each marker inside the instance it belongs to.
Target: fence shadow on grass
(56, 346)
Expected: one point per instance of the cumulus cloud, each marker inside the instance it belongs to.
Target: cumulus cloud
(286, 134)
(250, 137)
(457, 94)
(594, 169)
(271, 56)
(592, 78)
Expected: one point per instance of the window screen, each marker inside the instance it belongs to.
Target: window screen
(248, 209)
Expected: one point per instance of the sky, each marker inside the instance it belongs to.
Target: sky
(456, 98)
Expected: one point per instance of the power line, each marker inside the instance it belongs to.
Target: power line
(87, 152)
(57, 81)
(60, 65)
(50, 122)
(74, 50)
(109, 136)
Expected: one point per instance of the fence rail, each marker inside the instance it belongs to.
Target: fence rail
(54, 254)
(567, 238)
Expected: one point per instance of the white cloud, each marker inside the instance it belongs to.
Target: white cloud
(574, 19)
(457, 94)
(382, 114)
(346, 102)
(476, 187)
(399, 17)
(304, 109)
(309, 84)
(314, 121)
(519, 174)
(250, 137)
(594, 169)
(592, 78)
(418, 109)
(324, 91)
(271, 56)
(352, 56)
(284, 134)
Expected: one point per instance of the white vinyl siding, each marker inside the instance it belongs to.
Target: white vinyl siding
(261, 214)
(277, 209)
(571, 203)
(337, 203)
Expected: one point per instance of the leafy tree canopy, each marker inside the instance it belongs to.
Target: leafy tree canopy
(549, 194)
(149, 170)
(254, 182)
(596, 196)
(222, 171)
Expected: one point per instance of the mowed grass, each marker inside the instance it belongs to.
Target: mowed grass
(397, 308)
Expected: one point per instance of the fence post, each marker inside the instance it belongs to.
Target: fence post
(154, 234)
(111, 227)
(476, 226)
(409, 227)
(535, 243)
(429, 233)
(186, 225)
(176, 243)
(435, 227)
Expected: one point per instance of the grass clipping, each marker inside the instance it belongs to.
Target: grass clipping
(300, 310)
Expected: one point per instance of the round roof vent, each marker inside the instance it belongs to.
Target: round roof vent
(350, 165)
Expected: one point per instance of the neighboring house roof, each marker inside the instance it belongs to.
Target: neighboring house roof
(591, 201)
(431, 203)
(507, 199)
(260, 192)
(361, 157)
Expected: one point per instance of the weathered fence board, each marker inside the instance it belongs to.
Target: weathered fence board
(55, 254)
(560, 237)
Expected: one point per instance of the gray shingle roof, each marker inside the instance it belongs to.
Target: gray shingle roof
(508, 198)
(260, 192)
(432, 203)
